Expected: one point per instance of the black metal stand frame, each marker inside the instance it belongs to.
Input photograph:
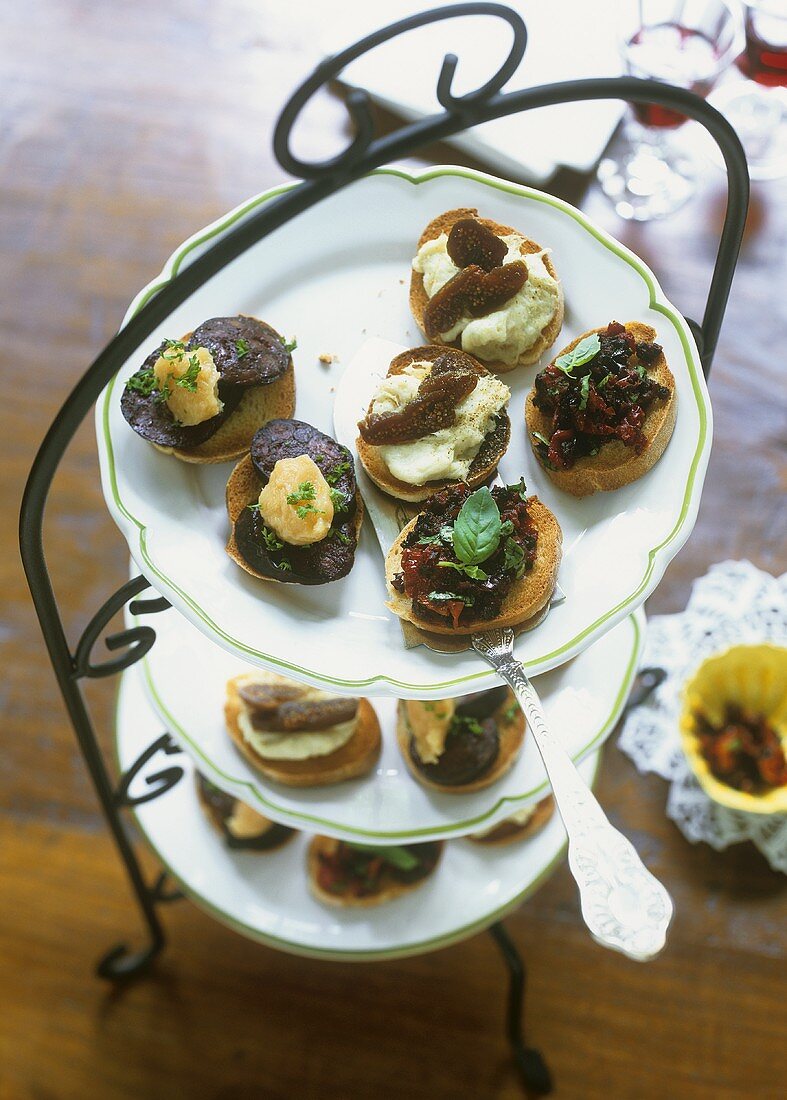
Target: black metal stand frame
(364, 152)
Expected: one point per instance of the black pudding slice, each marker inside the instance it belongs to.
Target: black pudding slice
(466, 757)
(222, 806)
(328, 560)
(247, 352)
(150, 417)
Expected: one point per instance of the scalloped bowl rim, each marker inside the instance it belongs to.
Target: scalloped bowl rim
(774, 801)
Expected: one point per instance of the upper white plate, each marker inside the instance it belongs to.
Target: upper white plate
(334, 276)
(265, 895)
(185, 677)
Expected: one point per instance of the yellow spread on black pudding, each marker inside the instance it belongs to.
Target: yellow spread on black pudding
(297, 503)
(429, 723)
(189, 382)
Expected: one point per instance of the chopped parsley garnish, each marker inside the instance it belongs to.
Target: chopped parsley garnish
(174, 350)
(463, 723)
(510, 713)
(300, 499)
(284, 565)
(188, 381)
(338, 500)
(143, 382)
(342, 536)
(291, 345)
(340, 468)
(242, 348)
(271, 540)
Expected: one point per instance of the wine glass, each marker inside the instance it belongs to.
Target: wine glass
(756, 102)
(688, 43)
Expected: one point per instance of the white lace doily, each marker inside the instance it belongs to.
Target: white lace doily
(735, 603)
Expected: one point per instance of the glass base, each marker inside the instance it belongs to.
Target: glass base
(646, 180)
(759, 117)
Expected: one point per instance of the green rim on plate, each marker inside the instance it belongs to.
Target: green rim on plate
(434, 943)
(553, 658)
(311, 822)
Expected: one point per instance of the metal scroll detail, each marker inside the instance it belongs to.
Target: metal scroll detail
(358, 103)
(365, 152)
(624, 906)
(158, 783)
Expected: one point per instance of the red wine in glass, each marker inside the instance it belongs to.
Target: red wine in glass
(765, 57)
(677, 55)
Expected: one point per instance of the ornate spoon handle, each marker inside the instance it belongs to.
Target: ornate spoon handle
(624, 906)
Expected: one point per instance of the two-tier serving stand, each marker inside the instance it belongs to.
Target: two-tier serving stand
(153, 772)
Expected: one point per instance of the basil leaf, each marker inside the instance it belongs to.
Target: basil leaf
(520, 488)
(467, 600)
(472, 571)
(477, 528)
(514, 559)
(444, 535)
(398, 857)
(585, 350)
(584, 392)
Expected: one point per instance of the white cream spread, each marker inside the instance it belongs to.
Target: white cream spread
(448, 453)
(280, 745)
(296, 503)
(506, 334)
(190, 381)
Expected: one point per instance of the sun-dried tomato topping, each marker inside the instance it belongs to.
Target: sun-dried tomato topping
(473, 292)
(357, 872)
(433, 407)
(606, 398)
(441, 593)
(470, 242)
(745, 752)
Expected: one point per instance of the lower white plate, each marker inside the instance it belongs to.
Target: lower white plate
(185, 676)
(265, 895)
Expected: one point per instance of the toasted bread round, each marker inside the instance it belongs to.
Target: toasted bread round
(390, 889)
(217, 824)
(233, 439)
(356, 757)
(512, 734)
(508, 831)
(243, 489)
(419, 299)
(615, 464)
(527, 596)
(258, 405)
(485, 462)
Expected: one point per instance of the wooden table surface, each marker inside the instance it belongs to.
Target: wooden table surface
(125, 128)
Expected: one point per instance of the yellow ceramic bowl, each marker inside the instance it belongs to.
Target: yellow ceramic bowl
(753, 677)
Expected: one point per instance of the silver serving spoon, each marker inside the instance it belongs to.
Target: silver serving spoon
(624, 906)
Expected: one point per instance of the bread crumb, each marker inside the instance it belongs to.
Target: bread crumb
(328, 358)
